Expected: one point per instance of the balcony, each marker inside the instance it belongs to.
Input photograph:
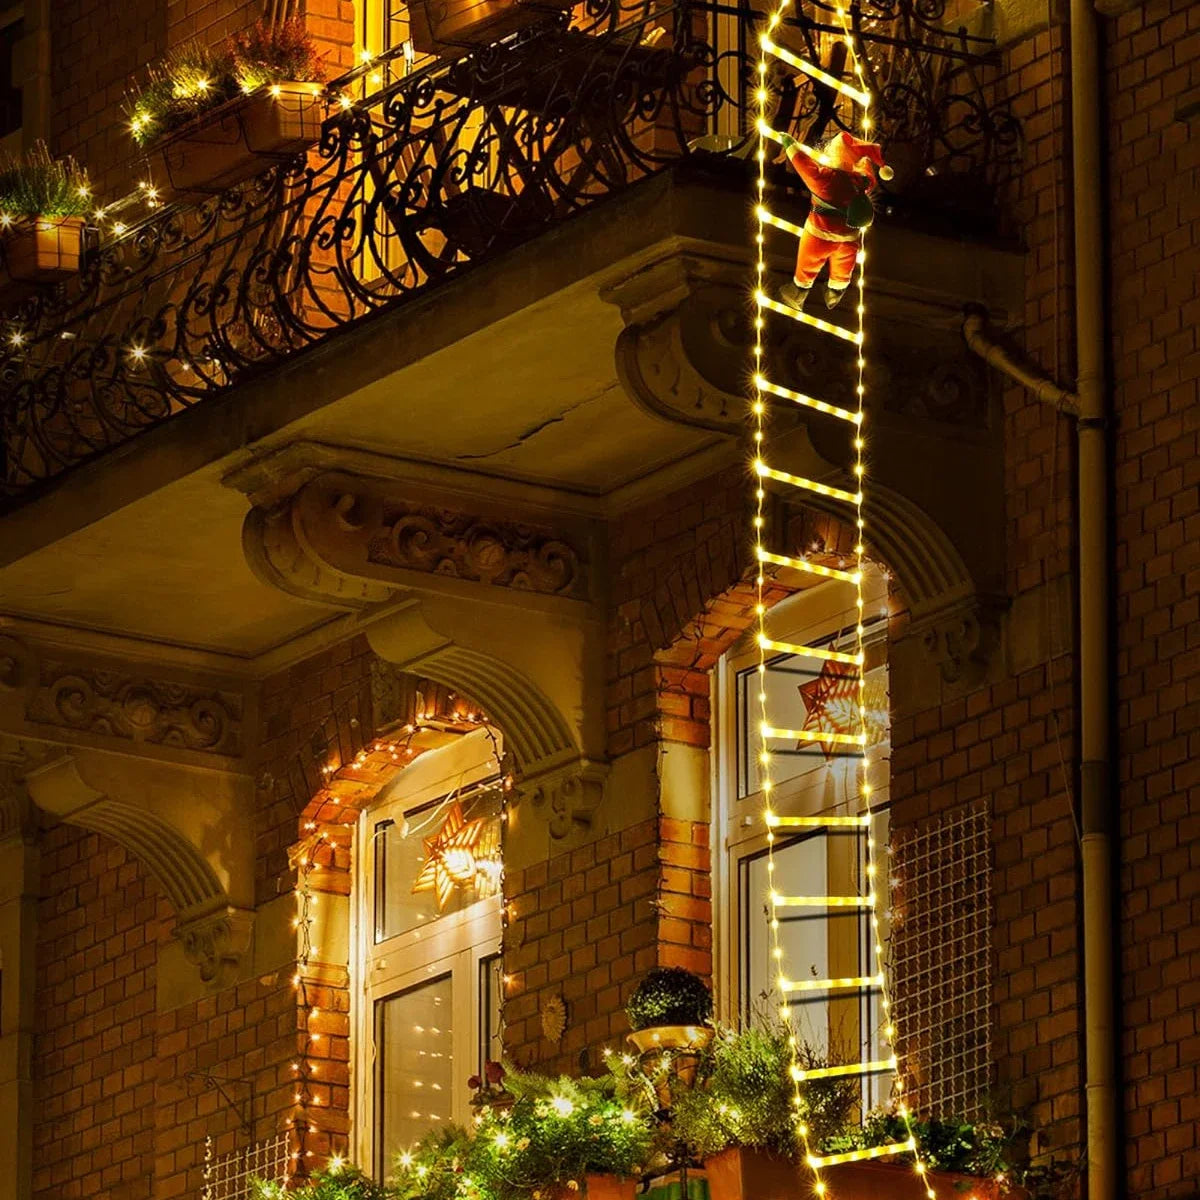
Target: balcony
(423, 175)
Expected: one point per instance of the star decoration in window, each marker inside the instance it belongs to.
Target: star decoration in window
(450, 856)
(831, 705)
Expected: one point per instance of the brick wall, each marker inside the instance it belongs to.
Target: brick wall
(1153, 64)
(101, 49)
(99, 924)
(589, 923)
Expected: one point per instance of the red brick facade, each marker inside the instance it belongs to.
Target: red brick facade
(123, 1102)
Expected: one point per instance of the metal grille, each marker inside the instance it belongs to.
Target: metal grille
(941, 951)
(230, 1176)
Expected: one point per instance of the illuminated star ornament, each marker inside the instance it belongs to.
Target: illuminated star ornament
(831, 705)
(450, 856)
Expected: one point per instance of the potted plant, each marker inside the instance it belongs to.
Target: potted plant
(560, 1139)
(670, 1014)
(42, 205)
(743, 1125)
(209, 119)
(455, 27)
(961, 1158)
(338, 1180)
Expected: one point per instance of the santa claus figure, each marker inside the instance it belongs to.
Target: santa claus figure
(841, 177)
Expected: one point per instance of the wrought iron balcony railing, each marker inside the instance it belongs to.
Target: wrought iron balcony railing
(420, 176)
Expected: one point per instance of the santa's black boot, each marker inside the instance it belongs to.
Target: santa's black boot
(833, 296)
(793, 295)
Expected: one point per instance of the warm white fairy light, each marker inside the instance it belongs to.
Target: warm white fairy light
(859, 95)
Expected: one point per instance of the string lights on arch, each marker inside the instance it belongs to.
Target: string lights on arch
(323, 835)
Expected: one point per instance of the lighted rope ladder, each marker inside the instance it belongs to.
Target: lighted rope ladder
(859, 825)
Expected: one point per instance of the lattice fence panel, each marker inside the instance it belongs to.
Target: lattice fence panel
(230, 1176)
(941, 959)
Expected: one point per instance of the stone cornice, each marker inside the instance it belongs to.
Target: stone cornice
(353, 542)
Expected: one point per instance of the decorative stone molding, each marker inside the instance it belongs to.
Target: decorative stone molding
(566, 796)
(500, 553)
(215, 942)
(136, 708)
(354, 542)
(962, 638)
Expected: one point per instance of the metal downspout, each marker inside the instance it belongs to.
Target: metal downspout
(1096, 793)
(1089, 404)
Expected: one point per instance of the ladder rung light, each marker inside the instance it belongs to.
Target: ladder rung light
(775, 821)
(812, 568)
(814, 735)
(848, 983)
(775, 389)
(820, 1162)
(837, 656)
(769, 218)
(821, 901)
(856, 94)
(800, 1074)
(809, 485)
(848, 335)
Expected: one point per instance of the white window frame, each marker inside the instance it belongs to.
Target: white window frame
(738, 831)
(457, 943)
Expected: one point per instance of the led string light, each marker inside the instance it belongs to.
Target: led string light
(318, 849)
(859, 824)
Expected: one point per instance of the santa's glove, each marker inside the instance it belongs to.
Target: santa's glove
(789, 144)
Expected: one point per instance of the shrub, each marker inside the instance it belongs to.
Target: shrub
(195, 77)
(338, 1181)
(670, 996)
(275, 53)
(36, 184)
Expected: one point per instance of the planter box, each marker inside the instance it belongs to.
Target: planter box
(38, 250)
(454, 27)
(240, 139)
(742, 1174)
(899, 1181)
(599, 1187)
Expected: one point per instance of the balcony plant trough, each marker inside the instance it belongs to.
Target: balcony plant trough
(455, 27)
(238, 140)
(42, 202)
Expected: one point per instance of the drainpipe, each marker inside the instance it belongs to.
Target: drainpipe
(1088, 404)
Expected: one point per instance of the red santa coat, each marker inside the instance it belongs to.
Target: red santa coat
(828, 236)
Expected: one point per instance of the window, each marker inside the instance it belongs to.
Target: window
(429, 920)
(810, 779)
(12, 30)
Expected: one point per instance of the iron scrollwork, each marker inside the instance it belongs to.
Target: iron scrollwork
(434, 171)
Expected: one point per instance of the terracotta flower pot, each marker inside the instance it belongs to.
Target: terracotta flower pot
(595, 1187)
(740, 1173)
(38, 250)
(237, 141)
(900, 1181)
(685, 1044)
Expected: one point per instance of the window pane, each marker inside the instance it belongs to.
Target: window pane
(806, 693)
(437, 860)
(491, 981)
(414, 1066)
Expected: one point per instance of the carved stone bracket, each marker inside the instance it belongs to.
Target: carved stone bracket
(962, 638)
(215, 941)
(354, 542)
(44, 688)
(566, 796)
(688, 336)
